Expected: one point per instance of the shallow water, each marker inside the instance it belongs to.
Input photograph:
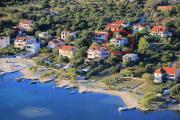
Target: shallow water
(25, 101)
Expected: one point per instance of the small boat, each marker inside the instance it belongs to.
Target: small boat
(33, 82)
(19, 79)
(122, 108)
(82, 91)
(68, 87)
(71, 92)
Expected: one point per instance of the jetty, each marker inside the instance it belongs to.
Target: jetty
(125, 108)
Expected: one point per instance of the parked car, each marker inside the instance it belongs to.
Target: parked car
(68, 66)
(82, 78)
(47, 61)
(86, 69)
(58, 66)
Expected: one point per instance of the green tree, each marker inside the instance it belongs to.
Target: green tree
(126, 72)
(9, 32)
(82, 52)
(143, 45)
(168, 56)
(45, 50)
(175, 91)
(148, 99)
(114, 69)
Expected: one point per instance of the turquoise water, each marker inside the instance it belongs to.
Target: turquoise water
(24, 101)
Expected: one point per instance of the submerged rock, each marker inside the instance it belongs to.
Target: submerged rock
(35, 112)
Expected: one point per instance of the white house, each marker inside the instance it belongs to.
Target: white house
(67, 50)
(168, 73)
(4, 42)
(96, 52)
(32, 47)
(44, 35)
(100, 37)
(28, 43)
(140, 27)
(55, 43)
(65, 34)
(130, 57)
(119, 41)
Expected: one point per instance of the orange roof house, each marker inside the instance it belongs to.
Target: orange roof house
(26, 21)
(117, 25)
(161, 31)
(26, 24)
(168, 72)
(165, 8)
(67, 50)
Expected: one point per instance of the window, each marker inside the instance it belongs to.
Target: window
(171, 76)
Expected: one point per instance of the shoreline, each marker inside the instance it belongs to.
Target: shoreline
(128, 99)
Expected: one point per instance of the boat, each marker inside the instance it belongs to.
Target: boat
(68, 87)
(33, 82)
(71, 92)
(19, 79)
(122, 108)
(82, 91)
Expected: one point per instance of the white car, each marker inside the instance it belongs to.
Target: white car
(68, 66)
(59, 66)
(86, 69)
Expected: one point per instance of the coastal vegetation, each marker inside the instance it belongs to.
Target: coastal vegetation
(10, 50)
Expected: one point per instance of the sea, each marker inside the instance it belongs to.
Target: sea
(25, 101)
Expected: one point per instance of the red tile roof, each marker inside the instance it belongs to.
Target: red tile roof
(26, 21)
(96, 47)
(56, 41)
(67, 48)
(165, 8)
(167, 70)
(157, 29)
(116, 24)
(100, 33)
(21, 38)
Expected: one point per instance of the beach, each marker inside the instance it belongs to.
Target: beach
(8, 65)
(23, 65)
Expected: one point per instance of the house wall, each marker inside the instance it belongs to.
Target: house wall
(68, 54)
(130, 58)
(4, 42)
(177, 76)
(65, 34)
(100, 38)
(157, 78)
(33, 48)
(93, 54)
(25, 26)
(19, 44)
